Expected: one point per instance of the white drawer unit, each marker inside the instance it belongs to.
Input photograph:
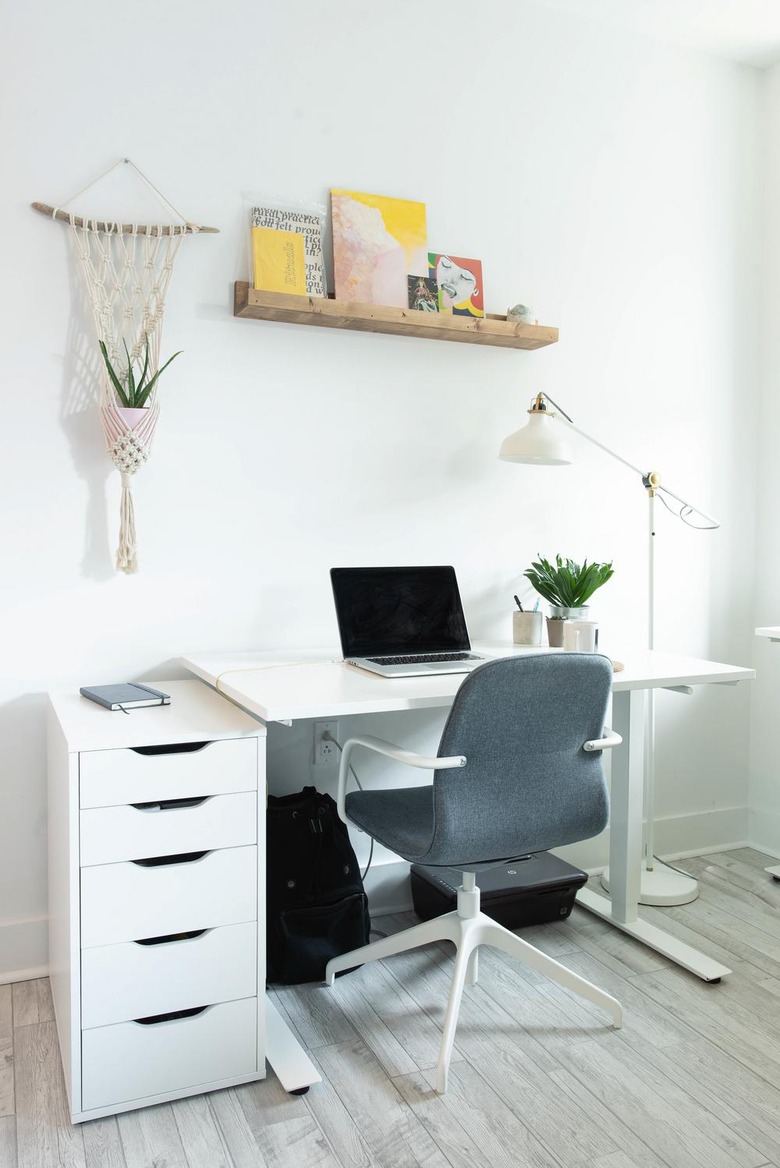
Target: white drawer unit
(156, 897)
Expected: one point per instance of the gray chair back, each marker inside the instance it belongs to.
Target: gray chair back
(528, 784)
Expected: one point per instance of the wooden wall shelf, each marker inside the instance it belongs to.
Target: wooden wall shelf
(489, 330)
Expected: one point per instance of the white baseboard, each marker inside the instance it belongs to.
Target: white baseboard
(24, 974)
(24, 949)
(701, 832)
(765, 831)
(388, 888)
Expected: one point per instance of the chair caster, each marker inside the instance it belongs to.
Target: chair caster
(298, 1091)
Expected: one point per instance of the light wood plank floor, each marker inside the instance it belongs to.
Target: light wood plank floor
(538, 1080)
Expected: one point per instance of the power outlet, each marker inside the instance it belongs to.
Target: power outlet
(326, 753)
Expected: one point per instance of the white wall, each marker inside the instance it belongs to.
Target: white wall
(765, 728)
(606, 179)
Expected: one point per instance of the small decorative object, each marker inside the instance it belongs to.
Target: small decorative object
(377, 242)
(567, 587)
(460, 284)
(287, 251)
(127, 268)
(423, 293)
(521, 314)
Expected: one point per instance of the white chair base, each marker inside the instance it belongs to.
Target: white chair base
(468, 928)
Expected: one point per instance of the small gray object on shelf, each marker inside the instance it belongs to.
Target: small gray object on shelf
(521, 314)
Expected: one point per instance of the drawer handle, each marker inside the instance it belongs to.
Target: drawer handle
(158, 861)
(170, 938)
(170, 748)
(155, 1019)
(171, 804)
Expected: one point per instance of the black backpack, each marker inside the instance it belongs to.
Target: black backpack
(316, 905)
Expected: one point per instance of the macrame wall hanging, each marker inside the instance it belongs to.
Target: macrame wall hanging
(127, 268)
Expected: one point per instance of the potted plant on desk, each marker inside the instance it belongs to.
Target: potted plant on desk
(567, 587)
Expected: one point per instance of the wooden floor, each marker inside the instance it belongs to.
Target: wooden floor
(539, 1079)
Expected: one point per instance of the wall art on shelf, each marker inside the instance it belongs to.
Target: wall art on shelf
(423, 293)
(378, 242)
(287, 251)
(460, 284)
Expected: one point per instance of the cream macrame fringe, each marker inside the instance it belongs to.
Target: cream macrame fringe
(126, 558)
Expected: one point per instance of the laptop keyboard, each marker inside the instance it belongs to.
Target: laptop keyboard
(422, 658)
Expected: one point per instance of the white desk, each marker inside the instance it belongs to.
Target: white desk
(281, 687)
(773, 633)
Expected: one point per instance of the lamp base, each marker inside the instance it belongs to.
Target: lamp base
(662, 885)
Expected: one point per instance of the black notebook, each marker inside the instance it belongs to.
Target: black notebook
(125, 696)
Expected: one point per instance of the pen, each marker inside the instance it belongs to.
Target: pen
(519, 605)
(536, 606)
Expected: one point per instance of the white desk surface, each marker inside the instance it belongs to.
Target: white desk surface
(279, 686)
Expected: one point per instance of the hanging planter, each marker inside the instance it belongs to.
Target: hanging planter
(127, 268)
(129, 414)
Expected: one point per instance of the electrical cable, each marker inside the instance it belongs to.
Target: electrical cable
(666, 864)
(328, 737)
(684, 513)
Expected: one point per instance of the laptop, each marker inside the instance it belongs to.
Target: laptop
(402, 622)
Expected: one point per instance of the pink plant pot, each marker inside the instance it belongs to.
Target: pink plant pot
(131, 416)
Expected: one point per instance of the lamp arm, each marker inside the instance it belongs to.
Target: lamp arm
(650, 479)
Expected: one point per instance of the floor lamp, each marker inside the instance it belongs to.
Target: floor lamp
(541, 442)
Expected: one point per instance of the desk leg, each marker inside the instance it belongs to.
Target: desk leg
(625, 846)
(626, 805)
(294, 1069)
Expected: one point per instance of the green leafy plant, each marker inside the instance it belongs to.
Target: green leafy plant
(566, 583)
(131, 393)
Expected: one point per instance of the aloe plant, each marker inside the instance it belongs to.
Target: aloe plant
(566, 583)
(131, 393)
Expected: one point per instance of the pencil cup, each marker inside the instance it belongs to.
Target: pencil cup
(527, 628)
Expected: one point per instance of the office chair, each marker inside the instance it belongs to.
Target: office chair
(519, 770)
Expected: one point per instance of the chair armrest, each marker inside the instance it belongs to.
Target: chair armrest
(611, 738)
(389, 751)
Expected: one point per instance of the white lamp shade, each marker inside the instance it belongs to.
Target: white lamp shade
(540, 441)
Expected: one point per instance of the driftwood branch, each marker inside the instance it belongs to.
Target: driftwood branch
(109, 228)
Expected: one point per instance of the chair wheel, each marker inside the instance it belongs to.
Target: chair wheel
(298, 1091)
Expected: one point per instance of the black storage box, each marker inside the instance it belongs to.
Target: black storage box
(530, 891)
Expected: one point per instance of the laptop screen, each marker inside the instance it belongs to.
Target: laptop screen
(382, 612)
